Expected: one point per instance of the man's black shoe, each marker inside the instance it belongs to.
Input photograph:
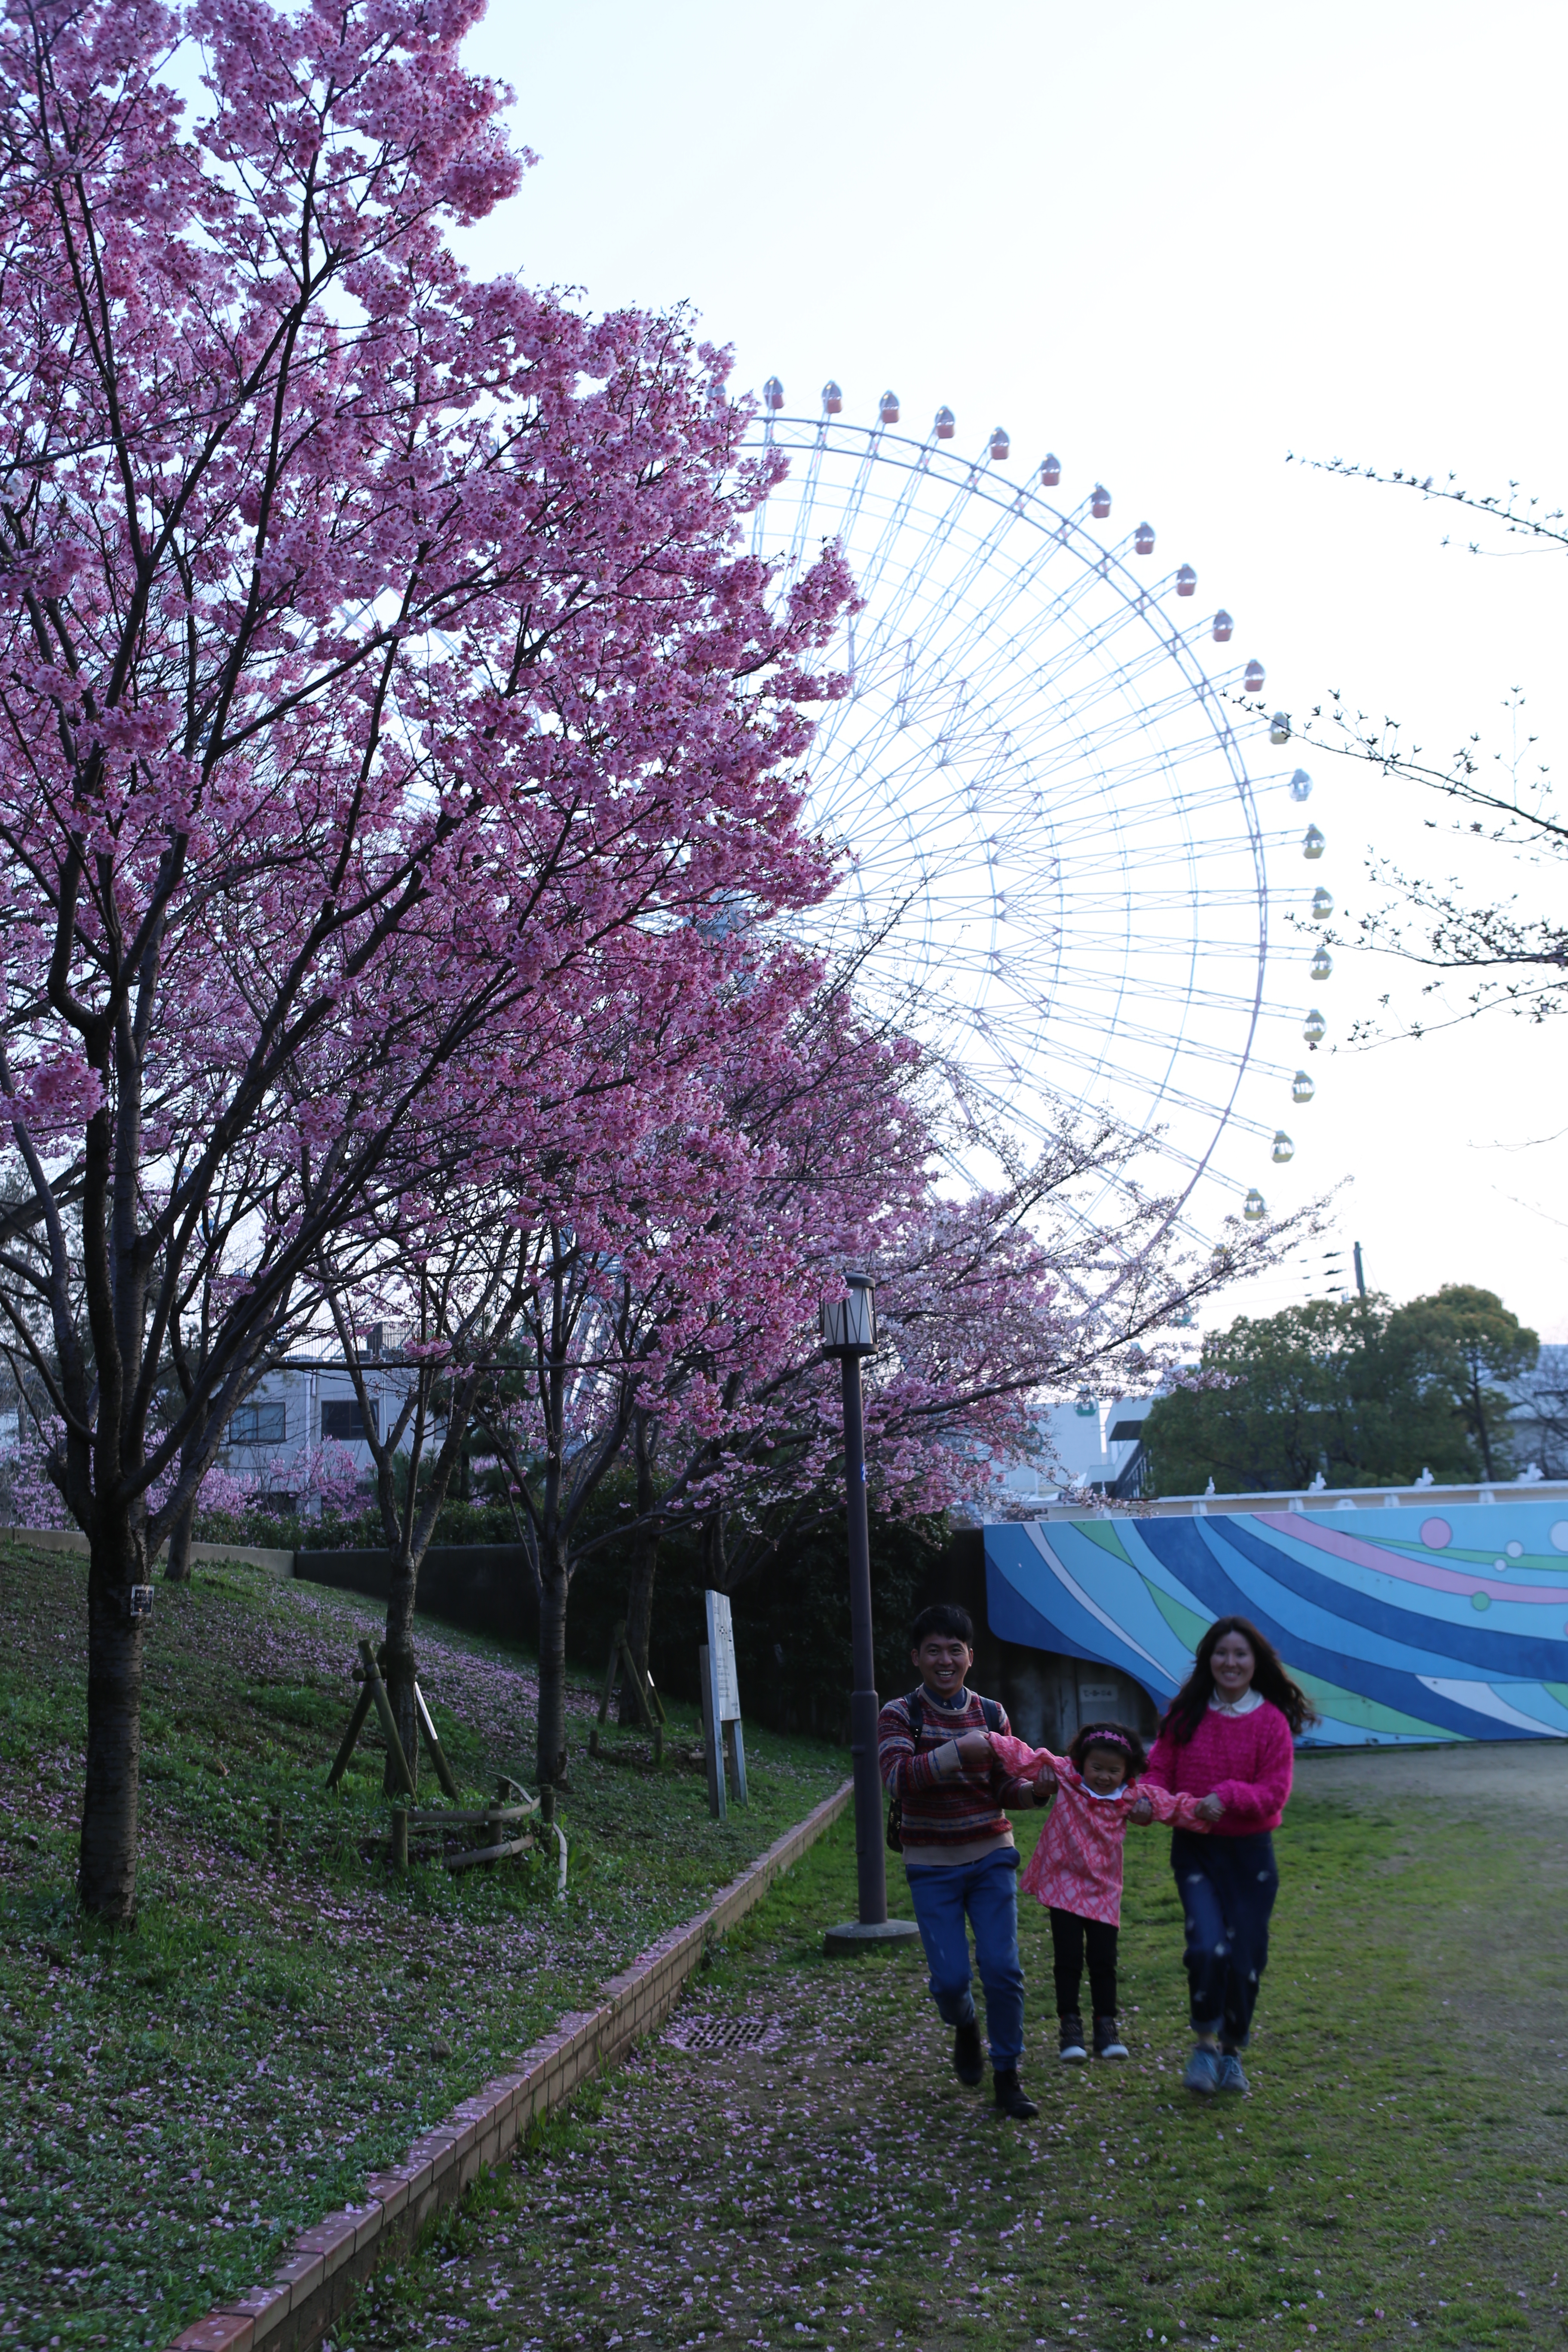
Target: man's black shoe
(968, 2057)
(1012, 2099)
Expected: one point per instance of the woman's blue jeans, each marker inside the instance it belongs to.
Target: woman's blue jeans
(985, 1895)
(1227, 1887)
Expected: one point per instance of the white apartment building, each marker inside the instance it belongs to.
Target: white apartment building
(1097, 1443)
(305, 1402)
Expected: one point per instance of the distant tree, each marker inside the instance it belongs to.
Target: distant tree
(1361, 1395)
(1540, 1419)
(1461, 1344)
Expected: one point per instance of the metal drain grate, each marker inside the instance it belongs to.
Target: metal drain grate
(697, 2033)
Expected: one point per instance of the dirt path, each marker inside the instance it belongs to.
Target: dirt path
(793, 2166)
(1530, 1777)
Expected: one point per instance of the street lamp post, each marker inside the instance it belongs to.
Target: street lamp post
(849, 1332)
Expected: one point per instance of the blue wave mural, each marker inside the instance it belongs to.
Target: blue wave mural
(1425, 1622)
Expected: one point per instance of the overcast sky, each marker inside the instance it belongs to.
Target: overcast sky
(1173, 245)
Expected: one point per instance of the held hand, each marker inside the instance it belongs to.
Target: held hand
(975, 1751)
(1045, 1785)
(1140, 1812)
(1210, 1808)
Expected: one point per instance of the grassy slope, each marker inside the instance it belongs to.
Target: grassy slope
(1399, 2175)
(180, 2102)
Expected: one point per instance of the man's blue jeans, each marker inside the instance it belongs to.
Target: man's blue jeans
(986, 1893)
(1227, 1887)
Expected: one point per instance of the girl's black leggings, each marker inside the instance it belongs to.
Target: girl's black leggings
(1070, 1936)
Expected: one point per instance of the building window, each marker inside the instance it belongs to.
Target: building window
(342, 1418)
(259, 1425)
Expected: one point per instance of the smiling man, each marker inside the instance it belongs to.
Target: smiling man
(949, 1821)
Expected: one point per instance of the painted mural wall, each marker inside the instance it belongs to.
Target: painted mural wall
(1428, 1621)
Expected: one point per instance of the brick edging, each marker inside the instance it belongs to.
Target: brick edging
(325, 2267)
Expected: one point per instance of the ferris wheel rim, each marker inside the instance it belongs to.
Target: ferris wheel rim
(967, 485)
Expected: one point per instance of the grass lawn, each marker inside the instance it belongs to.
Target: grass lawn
(288, 2015)
(1398, 2175)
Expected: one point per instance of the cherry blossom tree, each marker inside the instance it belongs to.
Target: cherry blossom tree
(675, 1311)
(380, 685)
(989, 1305)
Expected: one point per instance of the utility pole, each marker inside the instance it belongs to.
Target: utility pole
(1360, 1272)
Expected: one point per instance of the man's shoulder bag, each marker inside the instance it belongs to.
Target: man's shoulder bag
(916, 1713)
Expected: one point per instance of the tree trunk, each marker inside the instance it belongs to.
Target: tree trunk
(718, 1562)
(1479, 1415)
(106, 1872)
(399, 1669)
(644, 1568)
(554, 1577)
(408, 1537)
(177, 1569)
(639, 1617)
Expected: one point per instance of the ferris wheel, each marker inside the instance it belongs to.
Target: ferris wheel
(1056, 851)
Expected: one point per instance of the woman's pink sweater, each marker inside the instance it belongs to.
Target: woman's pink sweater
(1245, 1759)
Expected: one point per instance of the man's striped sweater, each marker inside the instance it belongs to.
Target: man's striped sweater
(948, 1815)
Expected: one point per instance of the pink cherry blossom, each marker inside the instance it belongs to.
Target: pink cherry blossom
(385, 701)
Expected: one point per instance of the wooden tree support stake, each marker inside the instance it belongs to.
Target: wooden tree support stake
(653, 1708)
(443, 1769)
(388, 1720)
(650, 1707)
(489, 1853)
(351, 1737)
(509, 1824)
(374, 1694)
(471, 1820)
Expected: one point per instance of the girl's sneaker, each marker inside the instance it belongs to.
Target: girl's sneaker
(1232, 2073)
(1070, 2047)
(1202, 2070)
(1108, 2043)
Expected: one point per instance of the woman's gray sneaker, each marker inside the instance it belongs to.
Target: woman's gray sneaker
(1108, 2041)
(1232, 2073)
(1202, 2070)
(1071, 2042)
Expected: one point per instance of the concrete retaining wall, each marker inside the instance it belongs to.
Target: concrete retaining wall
(276, 1563)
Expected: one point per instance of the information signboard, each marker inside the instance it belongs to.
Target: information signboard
(722, 1654)
(721, 1707)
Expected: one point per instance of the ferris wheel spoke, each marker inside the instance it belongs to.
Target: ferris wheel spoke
(1058, 872)
(1098, 1071)
(1127, 610)
(943, 686)
(921, 593)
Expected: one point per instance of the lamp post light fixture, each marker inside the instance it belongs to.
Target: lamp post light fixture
(849, 1332)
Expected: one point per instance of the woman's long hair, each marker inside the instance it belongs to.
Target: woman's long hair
(1269, 1680)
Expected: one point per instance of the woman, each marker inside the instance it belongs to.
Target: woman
(1226, 1739)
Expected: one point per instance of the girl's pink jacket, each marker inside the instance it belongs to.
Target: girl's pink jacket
(1076, 1865)
(1245, 1759)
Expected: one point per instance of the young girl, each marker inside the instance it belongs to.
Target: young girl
(1076, 1868)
